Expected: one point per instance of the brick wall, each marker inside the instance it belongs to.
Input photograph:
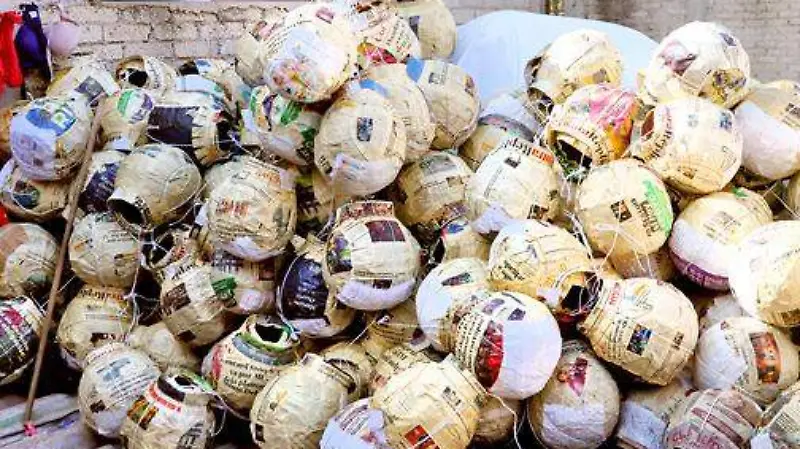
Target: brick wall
(769, 29)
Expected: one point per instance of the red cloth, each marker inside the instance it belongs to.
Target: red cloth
(10, 72)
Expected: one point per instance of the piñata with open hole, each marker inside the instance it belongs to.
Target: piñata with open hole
(452, 99)
(705, 235)
(29, 199)
(27, 260)
(174, 412)
(747, 355)
(592, 127)
(148, 73)
(253, 213)
(115, 375)
(49, 137)
(292, 410)
(312, 54)
(371, 260)
(361, 144)
(304, 300)
(94, 317)
(429, 193)
(646, 327)
(408, 104)
(170, 254)
(763, 273)
(155, 185)
(102, 252)
(692, 144)
(579, 406)
(699, 59)
(624, 209)
(510, 342)
(518, 166)
(542, 261)
(242, 363)
(571, 61)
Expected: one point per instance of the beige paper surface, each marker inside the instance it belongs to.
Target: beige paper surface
(395, 360)
(498, 421)
(172, 413)
(699, 59)
(458, 240)
(247, 50)
(163, 347)
(240, 365)
(763, 273)
(452, 100)
(88, 78)
(115, 375)
(747, 355)
(408, 104)
(384, 37)
(173, 253)
(389, 328)
(311, 55)
(124, 118)
(579, 406)
(50, 135)
(540, 260)
(146, 72)
(656, 265)
(706, 234)
(713, 419)
(193, 305)
(27, 260)
(100, 180)
(286, 128)
(434, 25)
(355, 361)
(255, 282)
(28, 199)
(315, 201)
(571, 61)
(593, 126)
(646, 327)
(624, 208)
(94, 317)
(517, 180)
(372, 261)
(780, 423)
(102, 252)
(361, 144)
(154, 185)
(692, 144)
(252, 214)
(430, 402)
(292, 411)
(430, 193)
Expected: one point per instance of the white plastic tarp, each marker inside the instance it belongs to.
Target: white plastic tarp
(495, 48)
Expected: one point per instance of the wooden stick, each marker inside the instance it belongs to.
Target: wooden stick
(74, 195)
